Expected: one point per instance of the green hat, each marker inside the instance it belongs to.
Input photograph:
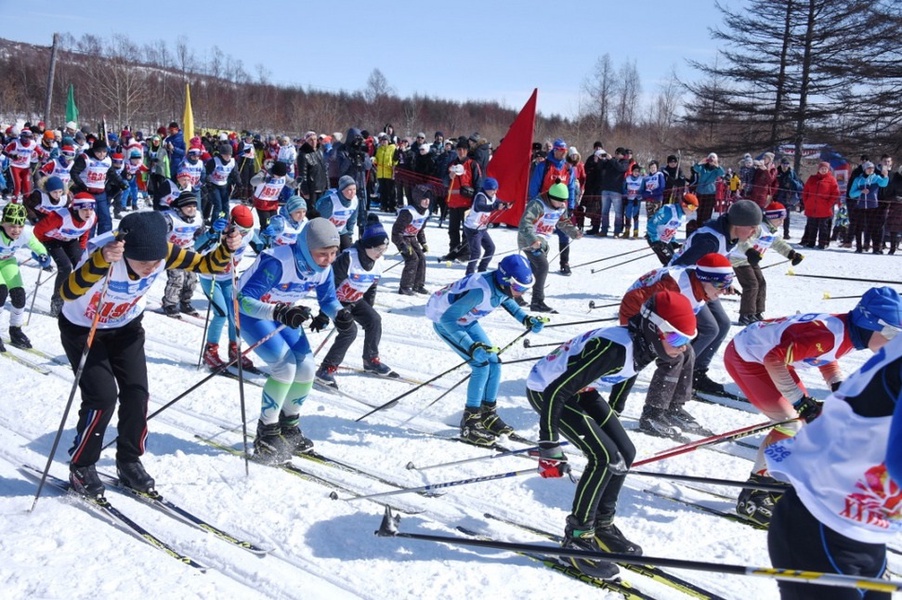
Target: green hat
(559, 192)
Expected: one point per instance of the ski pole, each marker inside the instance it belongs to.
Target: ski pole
(623, 263)
(34, 296)
(438, 486)
(581, 322)
(593, 306)
(389, 528)
(235, 310)
(78, 373)
(768, 487)
(528, 344)
(613, 256)
(827, 296)
(459, 383)
(871, 281)
(776, 264)
(711, 441)
(394, 400)
(412, 467)
(326, 339)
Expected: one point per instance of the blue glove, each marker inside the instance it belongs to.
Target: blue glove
(220, 224)
(43, 260)
(535, 324)
(479, 352)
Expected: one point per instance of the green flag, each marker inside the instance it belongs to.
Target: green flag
(71, 110)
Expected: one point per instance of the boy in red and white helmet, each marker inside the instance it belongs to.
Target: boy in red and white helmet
(562, 388)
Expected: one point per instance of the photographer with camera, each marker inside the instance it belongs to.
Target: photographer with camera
(352, 158)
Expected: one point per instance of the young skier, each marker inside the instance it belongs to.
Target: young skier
(746, 257)
(356, 273)
(845, 469)
(283, 229)
(455, 311)
(476, 226)
(409, 235)
(762, 359)
(563, 389)
(218, 287)
(65, 232)
(671, 384)
(653, 190)
(222, 178)
(664, 224)
(718, 235)
(49, 195)
(632, 196)
(543, 214)
(13, 237)
(110, 289)
(184, 226)
(267, 292)
(340, 206)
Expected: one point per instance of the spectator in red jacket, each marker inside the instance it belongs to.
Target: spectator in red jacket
(819, 195)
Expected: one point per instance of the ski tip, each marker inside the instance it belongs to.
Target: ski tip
(333, 495)
(389, 525)
(410, 466)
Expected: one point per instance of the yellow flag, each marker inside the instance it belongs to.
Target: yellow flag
(188, 116)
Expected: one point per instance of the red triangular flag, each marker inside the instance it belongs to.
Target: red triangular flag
(510, 163)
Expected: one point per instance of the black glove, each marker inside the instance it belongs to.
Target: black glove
(754, 257)
(808, 408)
(424, 247)
(319, 322)
(794, 257)
(344, 320)
(835, 386)
(291, 316)
(405, 249)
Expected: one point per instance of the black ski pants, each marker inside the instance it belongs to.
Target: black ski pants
(370, 321)
(798, 541)
(590, 424)
(66, 255)
(538, 260)
(116, 369)
(414, 273)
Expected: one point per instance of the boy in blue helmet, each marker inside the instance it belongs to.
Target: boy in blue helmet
(762, 359)
(455, 311)
(267, 292)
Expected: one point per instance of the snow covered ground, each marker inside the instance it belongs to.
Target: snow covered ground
(324, 548)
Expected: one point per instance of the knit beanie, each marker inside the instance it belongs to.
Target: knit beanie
(145, 235)
(295, 203)
(279, 169)
(83, 200)
(242, 216)
(489, 184)
(321, 233)
(715, 269)
(744, 213)
(53, 184)
(774, 211)
(345, 181)
(559, 192)
(374, 235)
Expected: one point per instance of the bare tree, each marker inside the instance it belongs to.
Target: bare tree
(627, 96)
(599, 88)
(664, 108)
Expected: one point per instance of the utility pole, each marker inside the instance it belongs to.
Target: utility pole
(50, 73)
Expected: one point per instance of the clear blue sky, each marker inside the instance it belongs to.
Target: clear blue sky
(493, 49)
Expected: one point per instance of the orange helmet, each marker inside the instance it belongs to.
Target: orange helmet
(691, 199)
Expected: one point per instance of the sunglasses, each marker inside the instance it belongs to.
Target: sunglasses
(666, 331)
(518, 287)
(689, 207)
(84, 207)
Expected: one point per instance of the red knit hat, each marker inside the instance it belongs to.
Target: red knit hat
(774, 211)
(714, 269)
(671, 312)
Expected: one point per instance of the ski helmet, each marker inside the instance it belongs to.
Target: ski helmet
(774, 211)
(14, 214)
(880, 309)
(83, 201)
(514, 274)
(690, 199)
(667, 316)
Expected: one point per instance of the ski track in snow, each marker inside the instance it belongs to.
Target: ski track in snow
(323, 548)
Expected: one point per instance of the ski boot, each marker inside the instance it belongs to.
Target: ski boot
(172, 311)
(493, 423)
(377, 367)
(757, 505)
(702, 383)
(611, 539)
(326, 375)
(132, 475)
(84, 481)
(680, 417)
(270, 447)
(211, 357)
(246, 363)
(18, 339)
(654, 422)
(188, 309)
(298, 443)
(472, 429)
(581, 536)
